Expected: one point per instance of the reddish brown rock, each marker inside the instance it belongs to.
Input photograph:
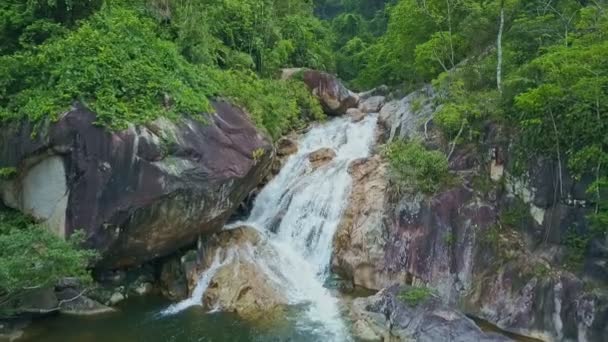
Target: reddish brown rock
(331, 92)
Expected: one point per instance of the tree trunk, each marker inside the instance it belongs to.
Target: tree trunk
(499, 48)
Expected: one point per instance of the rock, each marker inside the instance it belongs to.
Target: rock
(116, 298)
(548, 305)
(372, 104)
(365, 332)
(382, 90)
(74, 302)
(385, 315)
(359, 240)
(321, 157)
(41, 301)
(240, 285)
(289, 73)
(173, 280)
(144, 289)
(355, 114)
(140, 193)
(335, 98)
(406, 118)
(286, 147)
(243, 288)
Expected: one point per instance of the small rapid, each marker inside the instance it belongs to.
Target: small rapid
(298, 213)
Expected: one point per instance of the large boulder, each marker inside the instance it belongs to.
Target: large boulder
(237, 281)
(331, 92)
(372, 104)
(140, 193)
(387, 317)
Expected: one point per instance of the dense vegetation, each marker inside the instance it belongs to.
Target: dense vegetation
(537, 66)
(133, 61)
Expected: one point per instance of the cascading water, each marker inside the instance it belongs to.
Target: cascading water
(298, 213)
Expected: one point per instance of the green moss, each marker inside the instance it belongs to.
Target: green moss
(8, 172)
(414, 295)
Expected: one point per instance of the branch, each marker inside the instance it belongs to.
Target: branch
(456, 139)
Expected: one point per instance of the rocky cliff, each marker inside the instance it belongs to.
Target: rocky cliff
(494, 245)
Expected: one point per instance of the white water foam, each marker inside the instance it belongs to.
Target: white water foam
(201, 285)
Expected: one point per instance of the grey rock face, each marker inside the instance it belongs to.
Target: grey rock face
(385, 315)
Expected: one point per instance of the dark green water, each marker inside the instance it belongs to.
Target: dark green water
(139, 320)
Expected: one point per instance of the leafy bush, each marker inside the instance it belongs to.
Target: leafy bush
(114, 63)
(414, 295)
(275, 105)
(576, 244)
(414, 168)
(31, 257)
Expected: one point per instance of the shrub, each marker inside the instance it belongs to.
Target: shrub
(414, 295)
(413, 167)
(7, 172)
(31, 257)
(275, 105)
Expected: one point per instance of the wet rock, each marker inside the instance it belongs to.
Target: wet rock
(408, 117)
(75, 302)
(321, 157)
(173, 281)
(243, 288)
(386, 317)
(529, 299)
(144, 289)
(359, 240)
(286, 147)
(335, 98)
(240, 285)
(140, 193)
(372, 104)
(355, 114)
(116, 298)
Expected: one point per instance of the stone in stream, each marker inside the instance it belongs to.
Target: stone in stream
(321, 157)
(140, 193)
(286, 147)
(355, 114)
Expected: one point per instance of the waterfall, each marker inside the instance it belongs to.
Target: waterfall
(201, 284)
(298, 213)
